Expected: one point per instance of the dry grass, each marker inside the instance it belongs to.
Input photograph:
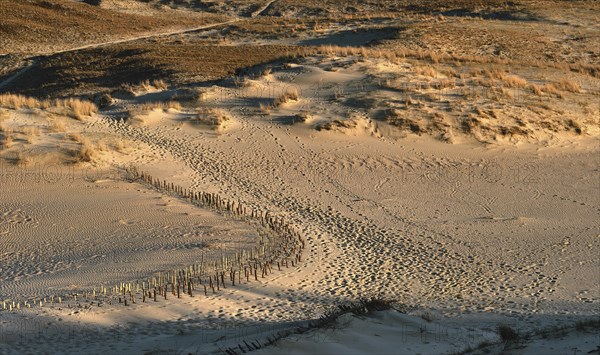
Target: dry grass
(74, 136)
(76, 108)
(149, 106)
(264, 108)
(18, 101)
(189, 95)
(547, 88)
(31, 133)
(23, 159)
(569, 85)
(515, 81)
(537, 89)
(426, 71)
(58, 125)
(86, 152)
(4, 129)
(119, 146)
(550, 89)
(4, 115)
(146, 85)
(215, 117)
(290, 94)
(7, 141)
(160, 84)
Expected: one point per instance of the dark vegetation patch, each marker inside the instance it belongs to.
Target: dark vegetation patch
(92, 70)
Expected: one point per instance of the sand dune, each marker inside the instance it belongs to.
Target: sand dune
(235, 203)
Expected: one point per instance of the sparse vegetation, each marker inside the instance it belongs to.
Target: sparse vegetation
(161, 105)
(214, 117)
(290, 94)
(426, 71)
(58, 125)
(477, 90)
(23, 159)
(515, 81)
(86, 151)
(74, 107)
(569, 85)
(7, 141)
(31, 133)
(4, 115)
(18, 101)
(74, 136)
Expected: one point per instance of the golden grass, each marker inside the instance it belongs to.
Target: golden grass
(119, 146)
(426, 71)
(18, 101)
(23, 159)
(515, 81)
(159, 105)
(537, 89)
(74, 136)
(394, 55)
(4, 129)
(31, 133)
(160, 84)
(569, 85)
(58, 125)
(291, 94)
(212, 116)
(550, 89)
(264, 108)
(189, 95)
(76, 108)
(86, 152)
(7, 141)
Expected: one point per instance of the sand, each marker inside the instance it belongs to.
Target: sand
(465, 226)
(455, 229)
